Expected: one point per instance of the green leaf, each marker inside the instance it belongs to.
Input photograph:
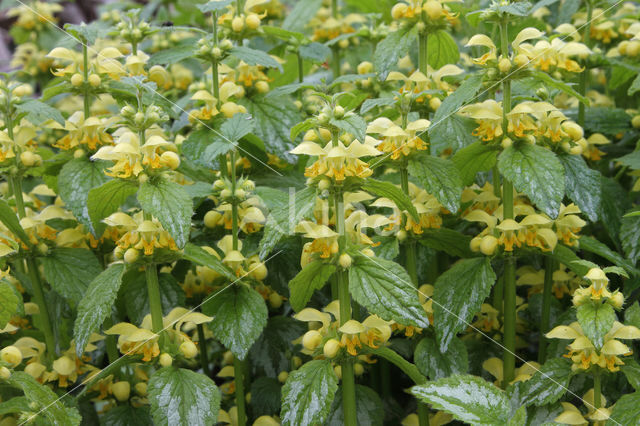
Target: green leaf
(214, 5)
(172, 55)
(237, 127)
(75, 181)
(314, 51)
(626, 411)
(69, 271)
(240, 314)
(435, 364)
(136, 294)
(594, 246)
(557, 84)
(269, 353)
(312, 277)
(447, 240)
(631, 160)
(266, 394)
(127, 415)
(298, 18)
(170, 204)
(477, 157)
(39, 112)
(353, 124)
(10, 220)
(183, 397)
(632, 315)
(255, 57)
(607, 120)
(567, 257)
(90, 33)
(370, 104)
(96, 304)
(386, 247)
(635, 86)
(582, 184)
(389, 50)
(55, 90)
(536, 172)
(201, 257)
(9, 303)
(548, 384)
(458, 295)
(107, 198)
(439, 177)
(441, 49)
(392, 192)
(630, 237)
(596, 321)
(614, 203)
(454, 132)
(308, 393)
(282, 221)
(301, 127)
(384, 288)
(273, 119)
(631, 370)
(464, 94)
(519, 418)
(468, 398)
(16, 404)
(369, 408)
(46, 402)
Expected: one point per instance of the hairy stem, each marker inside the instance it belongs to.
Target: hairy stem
(584, 75)
(202, 344)
(509, 339)
(549, 267)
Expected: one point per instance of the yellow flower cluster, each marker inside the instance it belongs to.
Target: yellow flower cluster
(131, 158)
(138, 234)
(326, 333)
(533, 230)
(434, 10)
(143, 341)
(397, 141)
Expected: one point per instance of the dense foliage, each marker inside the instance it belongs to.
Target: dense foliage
(308, 212)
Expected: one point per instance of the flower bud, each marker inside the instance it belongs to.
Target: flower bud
(488, 245)
(237, 24)
(364, 67)
(240, 193)
(212, 218)
(11, 355)
(166, 360)
(368, 252)
(635, 122)
(141, 389)
(474, 245)
(95, 80)
(121, 390)
(5, 373)
(170, 159)
(225, 193)
(338, 111)
(345, 260)
(504, 65)
(275, 300)
(398, 10)
(131, 255)
(188, 349)
(76, 79)
(358, 369)
(573, 129)
(617, 300)
(433, 9)
(262, 86)
(311, 339)
(331, 348)
(258, 271)
(506, 142)
(253, 21)
(28, 158)
(434, 103)
(283, 376)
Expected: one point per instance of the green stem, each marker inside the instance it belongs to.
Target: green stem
(335, 49)
(234, 205)
(584, 75)
(300, 67)
(348, 376)
(238, 370)
(410, 246)
(408, 368)
(549, 267)
(155, 302)
(86, 99)
(509, 338)
(597, 390)
(495, 174)
(111, 341)
(422, 52)
(202, 343)
(215, 86)
(38, 294)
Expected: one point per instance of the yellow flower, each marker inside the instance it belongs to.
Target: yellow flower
(351, 336)
(90, 132)
(325, 240)
(37, 15)
(134, 340)
(339, 162)
(397, 141)
(494, 367)
(572, 415)
(125, 153)
(140, 234)
(488, 115)
(105, 62)
(568, 224)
